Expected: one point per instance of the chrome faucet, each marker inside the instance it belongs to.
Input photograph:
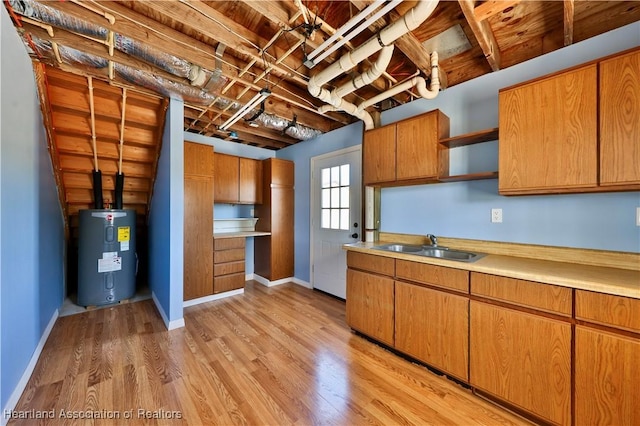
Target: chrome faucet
(433, 239)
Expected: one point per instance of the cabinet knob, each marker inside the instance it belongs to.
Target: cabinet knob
(354, 235)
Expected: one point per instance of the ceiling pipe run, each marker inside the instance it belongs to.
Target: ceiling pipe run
(384, 39)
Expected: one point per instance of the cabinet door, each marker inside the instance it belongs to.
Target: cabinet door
(548, 134)
(198, 237)
(370, 307)
(250, 181)
(620, 120)
(227, 172)
(607, 375)
(379, 155)
(522, 358)
(433, 326)
(418, 152)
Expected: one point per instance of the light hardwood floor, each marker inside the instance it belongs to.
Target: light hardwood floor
(273, 356)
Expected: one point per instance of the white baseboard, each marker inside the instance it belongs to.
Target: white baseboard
(248, 277)
(171, 325)
(265, 282)
(302, 283)
(22, 384)
(212, 297)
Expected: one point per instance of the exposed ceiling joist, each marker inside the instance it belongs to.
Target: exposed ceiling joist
(569, 11)
(483, 33)
(490, 8)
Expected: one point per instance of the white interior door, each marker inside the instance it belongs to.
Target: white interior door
(336, 213)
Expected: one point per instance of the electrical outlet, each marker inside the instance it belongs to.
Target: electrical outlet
(637, 216)
(496, 215)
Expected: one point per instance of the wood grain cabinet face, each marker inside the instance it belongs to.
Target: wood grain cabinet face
(379, 155)
(522, 358)
(548, 134)
(620, 120)
(406, 152)
(228, 259)
(370, 305)
(607, 378)
(198, 220)
(250, 185)
(227, 172)
(433, 327)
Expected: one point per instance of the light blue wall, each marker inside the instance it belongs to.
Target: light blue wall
(301, 154)
(166, 218)
(599, 221)
(31, 222)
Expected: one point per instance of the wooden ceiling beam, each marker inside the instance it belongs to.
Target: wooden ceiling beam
(492, 7)
(569, 10)
(193, 113)
(243, 137)
(211, 23)
(483, 33)
(152, 33)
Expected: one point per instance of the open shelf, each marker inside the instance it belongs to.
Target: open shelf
(469, 176)
(480, 136)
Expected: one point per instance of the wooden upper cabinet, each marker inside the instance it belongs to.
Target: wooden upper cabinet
(379, 155)
(620, 120)
(407, 152)
(227, 173)
(198, 159)
(250, 191)
(418, 151)
(238, 180)
(548, 134)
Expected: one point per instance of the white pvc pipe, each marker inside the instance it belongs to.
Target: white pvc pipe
(418, 82)
(368, 77)
(346, 27)
(410, 21)
(358, 30)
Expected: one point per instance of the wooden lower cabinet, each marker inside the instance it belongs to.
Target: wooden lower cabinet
(522, 358)
(370, 305)
(228, 264)
(607, 378)
(433, 326)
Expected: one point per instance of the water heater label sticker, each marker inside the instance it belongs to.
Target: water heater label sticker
(110, 264)
(123, 233)
(124, 246)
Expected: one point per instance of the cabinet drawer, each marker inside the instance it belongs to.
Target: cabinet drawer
(440, 276)
(228, 243)
(370, 262)
(606, 309)
(228, 282)
(545, 297)
(223, 256)
(228, 268)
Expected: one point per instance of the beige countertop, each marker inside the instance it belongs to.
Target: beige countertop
(621, 282)
(242, 234)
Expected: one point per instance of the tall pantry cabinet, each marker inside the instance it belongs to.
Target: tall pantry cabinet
(198, 223)
(274, 255)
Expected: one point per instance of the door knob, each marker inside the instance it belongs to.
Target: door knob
(354, 235)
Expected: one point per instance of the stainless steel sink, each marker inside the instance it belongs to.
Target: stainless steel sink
(430, 251)
(400, 248)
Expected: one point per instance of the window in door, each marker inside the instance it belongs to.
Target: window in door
(335, 197)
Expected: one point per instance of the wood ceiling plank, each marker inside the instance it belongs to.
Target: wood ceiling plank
(111, 130)
(76, 195)
(483, 33)
(243, 137)
(568, 22)
(489, 8)
(82, 146)
(73, 163)
(85, 181)
(105, 116)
